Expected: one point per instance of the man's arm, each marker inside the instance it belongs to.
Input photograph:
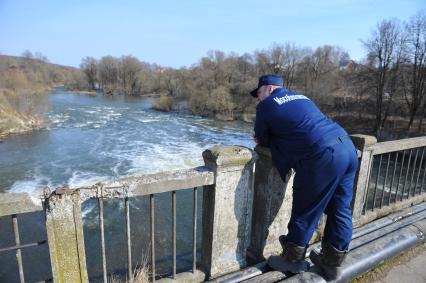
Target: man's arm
(261, 131)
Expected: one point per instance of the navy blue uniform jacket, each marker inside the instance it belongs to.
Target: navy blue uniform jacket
(293, 127)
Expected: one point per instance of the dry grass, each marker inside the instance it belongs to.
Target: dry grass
(164, 103)
(141, 275)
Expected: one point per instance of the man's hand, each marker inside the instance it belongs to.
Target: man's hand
(256, 140)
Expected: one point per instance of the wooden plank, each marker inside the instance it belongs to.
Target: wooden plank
(16, 203)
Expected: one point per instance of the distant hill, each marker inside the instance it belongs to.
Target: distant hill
(8, 62)
(24, 83)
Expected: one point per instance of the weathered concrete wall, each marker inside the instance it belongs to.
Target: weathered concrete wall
(65, 237)
(227, 208)
(271, 208)
(363, 143)
(15, 203)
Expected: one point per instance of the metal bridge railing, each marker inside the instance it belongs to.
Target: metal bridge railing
(12, 205)
(244, 210)
(130, 188)
(227, 199)
(395, 176)
(395, 179)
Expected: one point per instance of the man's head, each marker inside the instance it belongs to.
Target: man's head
(267, 84)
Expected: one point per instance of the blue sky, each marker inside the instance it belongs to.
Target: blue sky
(179, 33)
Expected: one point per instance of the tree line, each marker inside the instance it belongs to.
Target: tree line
(383, 90)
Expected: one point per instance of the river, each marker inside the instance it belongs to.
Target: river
(94, 138)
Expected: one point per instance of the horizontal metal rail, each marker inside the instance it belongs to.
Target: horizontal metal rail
(23, 246)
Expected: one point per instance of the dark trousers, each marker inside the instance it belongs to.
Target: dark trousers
(323, 184)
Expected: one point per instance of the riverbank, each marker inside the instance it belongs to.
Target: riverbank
(353, 123)
(82, 92)
(13, 122)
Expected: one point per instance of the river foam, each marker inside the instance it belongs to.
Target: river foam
(92, 139)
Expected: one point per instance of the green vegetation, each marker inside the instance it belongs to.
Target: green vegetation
(24, 83)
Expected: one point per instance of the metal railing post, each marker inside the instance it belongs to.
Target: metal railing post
(64, 227)
(227, 209)
(362, 143)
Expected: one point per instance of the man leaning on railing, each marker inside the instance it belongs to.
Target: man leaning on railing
(300, 136)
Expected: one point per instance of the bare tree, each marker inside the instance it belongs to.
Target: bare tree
(263, 63)
(89, 66)
(383, 49)
(40, 57)
(129, 69)
(108, 73)
(416, 33)
(292, 56)
(283, 60)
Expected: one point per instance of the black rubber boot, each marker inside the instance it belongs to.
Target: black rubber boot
(329, 260)
(292, 259)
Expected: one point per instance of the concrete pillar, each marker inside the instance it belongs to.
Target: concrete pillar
(362, 143)
(271, 208)
(227, 209)
(65, 236)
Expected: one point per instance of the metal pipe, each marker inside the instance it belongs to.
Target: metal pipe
(194, 231)
(406, 175)
(388, 220)
(243, 274)
(377, 234)
(393, 177)
(394, 224)
(366, 257)
(375, 185)
(174, 232)
(128, 238)
(384, 181)
(423, 179)
(400, 175)
(18, 251)
(412, 175)
(102, 235)
(17, 247)
(152, 236)
(418, 174)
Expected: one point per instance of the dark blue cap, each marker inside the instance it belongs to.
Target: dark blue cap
(268, 80)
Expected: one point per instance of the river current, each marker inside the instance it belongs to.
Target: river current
(88, 139)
